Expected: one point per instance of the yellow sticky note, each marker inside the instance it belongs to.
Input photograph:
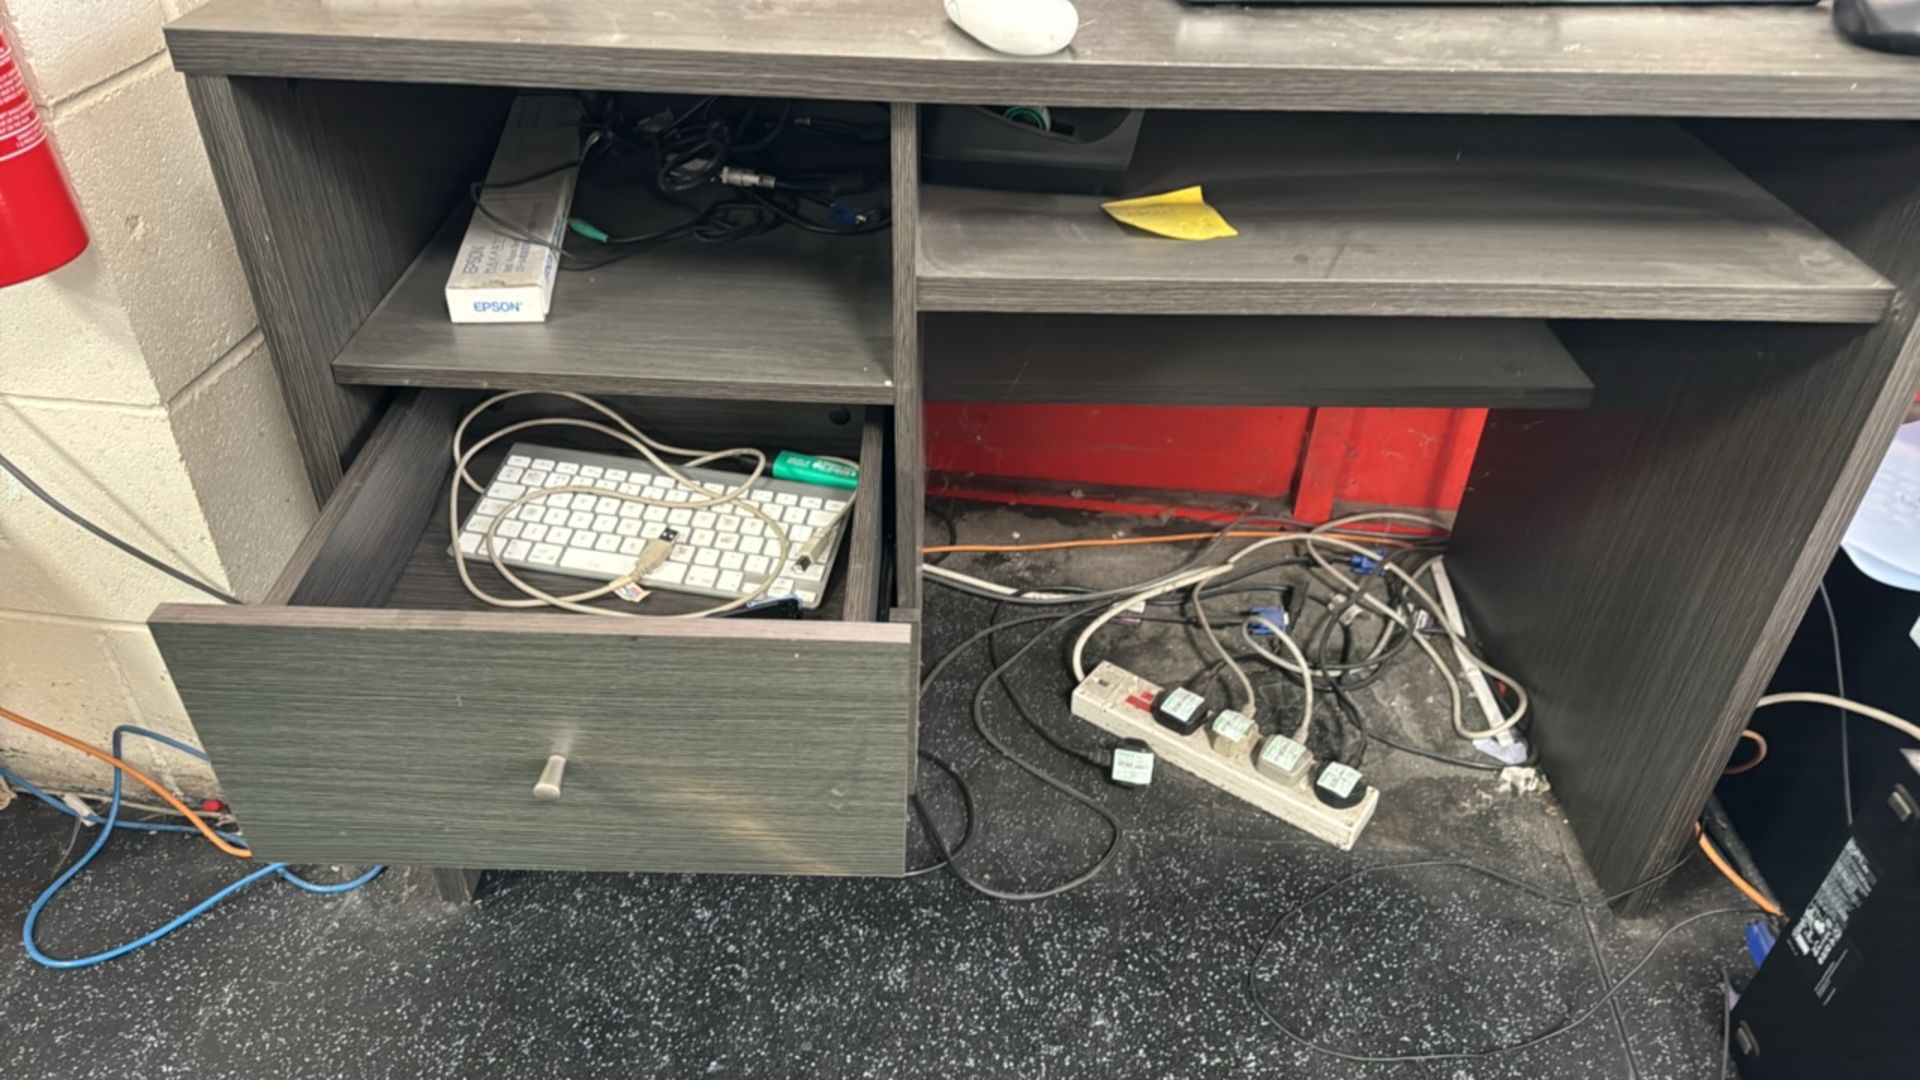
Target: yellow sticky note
(1182, 215)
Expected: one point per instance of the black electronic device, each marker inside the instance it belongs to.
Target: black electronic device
(1030, 147)
(1834, 998)
(1887, 25)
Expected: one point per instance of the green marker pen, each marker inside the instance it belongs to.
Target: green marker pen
(809, 469)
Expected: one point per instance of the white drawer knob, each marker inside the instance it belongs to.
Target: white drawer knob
(548, 786)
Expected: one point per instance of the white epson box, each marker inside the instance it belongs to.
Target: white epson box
(500, 275)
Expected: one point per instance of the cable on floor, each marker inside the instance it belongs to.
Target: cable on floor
(981, 689)
(84, 522)
(29, 928)
(120, 766)
(1907, 727)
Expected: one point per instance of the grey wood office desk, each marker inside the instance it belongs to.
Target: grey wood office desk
(1697, 333)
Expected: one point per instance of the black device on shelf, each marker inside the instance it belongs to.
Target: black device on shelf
(1030, 148)
(1887, 25)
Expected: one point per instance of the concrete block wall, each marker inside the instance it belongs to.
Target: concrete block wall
(134, 385)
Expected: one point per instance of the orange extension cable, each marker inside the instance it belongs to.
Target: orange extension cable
(171, 800)
(1746, 888)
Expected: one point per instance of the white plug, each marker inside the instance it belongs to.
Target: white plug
(1017, 27)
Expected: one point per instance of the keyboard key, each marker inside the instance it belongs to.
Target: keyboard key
(628, 528)
(799, 534)
(677, 495)
(836, 505)
(518, 461)
(555, 516)
(751, 544)
(503, 490)
(509, 473)
(606, 505)
(705, 557)
(559, 535)
(510, 528)
(807, 597)
(787, 498)
(516, 551)
(632, 510)
(604, 522)
(535, 533)
(652, 530)
(490, 507)
(680, 517)
(760, 496)
(681, 553)
(702, 538)
(781, 587)
(654, 513)
(592, 472)
(479, 523)
(608, 564)
(758, 564)
(667, 573)
(533, 478)
(704, 519)
(811, 502)
(630, 489)
(727, 541)
(632, 547)
(544, 554)
(583, 538)
(571, 468)
(729, 581)
(702, 577)
(555, 480)
(607, 542)
(605, 484)
(820, 519)
(811, 573)
(728, 523)
(732, 560)
(753, 526)
(579, 519)
(469, 542)
(543, 464)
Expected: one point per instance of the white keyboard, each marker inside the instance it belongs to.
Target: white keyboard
(721, 551)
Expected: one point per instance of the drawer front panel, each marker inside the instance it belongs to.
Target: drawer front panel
(353, 735)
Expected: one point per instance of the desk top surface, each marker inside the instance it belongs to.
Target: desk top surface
(1766, 61)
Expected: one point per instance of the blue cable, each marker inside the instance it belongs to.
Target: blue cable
(111, 822)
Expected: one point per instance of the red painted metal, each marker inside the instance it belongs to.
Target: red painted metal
(40, 227)
(1325, 459)
(1227, 450)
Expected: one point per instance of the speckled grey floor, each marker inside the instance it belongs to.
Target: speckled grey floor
(1138, 975)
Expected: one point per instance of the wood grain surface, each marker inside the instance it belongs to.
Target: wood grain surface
(1388, 215)
(1642, 564)
(351, 735)
(788, 316)
(1598, 60)
(1248, 360)
(327, 217)
(909, 411)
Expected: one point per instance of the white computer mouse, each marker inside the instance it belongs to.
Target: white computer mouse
(1017, 27)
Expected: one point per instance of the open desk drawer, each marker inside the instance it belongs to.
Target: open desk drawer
(371, 711)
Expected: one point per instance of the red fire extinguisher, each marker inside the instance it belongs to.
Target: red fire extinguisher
(40, 227)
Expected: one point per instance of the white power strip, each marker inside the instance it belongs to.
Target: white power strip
(1119, 702)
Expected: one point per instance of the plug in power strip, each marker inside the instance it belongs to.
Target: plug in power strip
(1120, 702)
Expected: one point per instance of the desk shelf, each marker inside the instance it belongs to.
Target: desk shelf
(1249, 360)
(781, 317)
(1404, 216)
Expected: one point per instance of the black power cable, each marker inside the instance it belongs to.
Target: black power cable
(81, 520)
